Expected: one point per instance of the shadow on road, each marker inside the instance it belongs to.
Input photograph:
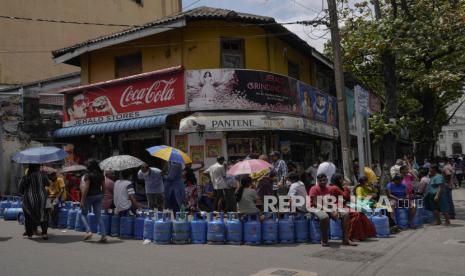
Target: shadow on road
(3, 239)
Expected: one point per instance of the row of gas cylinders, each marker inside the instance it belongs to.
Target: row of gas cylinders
(9, 203)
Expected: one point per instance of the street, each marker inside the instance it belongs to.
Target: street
(432, 250)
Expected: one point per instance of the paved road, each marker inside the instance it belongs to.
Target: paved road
(432, 250)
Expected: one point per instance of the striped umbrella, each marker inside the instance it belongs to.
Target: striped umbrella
(169, 154)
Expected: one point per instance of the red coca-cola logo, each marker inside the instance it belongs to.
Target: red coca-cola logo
(159, 91)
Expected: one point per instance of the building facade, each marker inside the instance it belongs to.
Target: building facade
(27, 43)
(451, 140)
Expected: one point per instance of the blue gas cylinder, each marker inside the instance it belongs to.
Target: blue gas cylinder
(115, 222)
(148, 227)
(252, 230)
(79, 226)
(401, 217)
(286, 229)
(301, 228)
(335, 229)
(428, 216)
(16, 203)
(233, 229)
(270, 229)
(314, 229)
(139, 226)
(93, 223)
(106, 219)
(71, 222)
(216, 228)
(418, 218)
(181, 228)
(63, 218)
(4, 204)
(381, 223)
(68, 204)
(12, 213)
(126, 227)
(162, 228)
(198, 229)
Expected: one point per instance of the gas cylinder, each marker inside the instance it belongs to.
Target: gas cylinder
(418, 218)
(71, 222)
(181, 228)
(314, 229)
(115, 222)
(335, 229)
(428, 216)
(198, 229)
(286, 229)
(12, 213)
(216, 228)
(252, 230)
(68, 204)
(63, 217)
(93, 223)
(148, 227)
(233, 229)
(401, 217)
(5, 203)
(381, 223)
(162, 228)
(126, 227)
(106, 219)
(79, 226)
(139, 226)
(270, 229)
(301, 228)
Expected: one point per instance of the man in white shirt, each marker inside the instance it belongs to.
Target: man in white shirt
(217, 174)
(297, 192)
(124, 195)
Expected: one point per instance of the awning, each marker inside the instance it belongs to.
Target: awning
(117, 126)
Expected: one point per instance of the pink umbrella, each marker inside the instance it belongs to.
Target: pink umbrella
(249, 166)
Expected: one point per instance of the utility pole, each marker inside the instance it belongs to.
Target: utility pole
(340, 89)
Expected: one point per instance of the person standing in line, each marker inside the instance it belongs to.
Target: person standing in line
(32, 186)
(217, 174)
(108, 191)
(297, 192)
(312, 171)
(458, 172)
(125, 195)
(279, 171)
(436, 198)
(246, 197)
(327, 168)
(92, 196)
(175, 192)
(154, 189)
(448, 172)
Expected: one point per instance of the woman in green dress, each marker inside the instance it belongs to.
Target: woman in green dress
(436, 197)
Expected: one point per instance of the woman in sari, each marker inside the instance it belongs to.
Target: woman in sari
(32, 187)
(436, 198)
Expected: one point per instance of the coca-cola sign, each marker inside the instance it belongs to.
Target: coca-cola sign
(137, 96)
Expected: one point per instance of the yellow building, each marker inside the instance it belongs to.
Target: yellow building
(27, 43)
(210, 81)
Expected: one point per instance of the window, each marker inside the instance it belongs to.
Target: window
(232, 53)
(455, 134)
(128, 65)
(293, 70)
(456, 148)
(441, 136)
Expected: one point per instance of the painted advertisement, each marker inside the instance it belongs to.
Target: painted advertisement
(241, 90)
(316, 105)
(137, 96)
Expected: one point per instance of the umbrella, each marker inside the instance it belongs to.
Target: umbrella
(73, 168)
(121, 163)
(47, 169)
(39, 155)
(249, 166)
(169, 154)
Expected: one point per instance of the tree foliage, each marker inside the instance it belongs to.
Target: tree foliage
(427, 38)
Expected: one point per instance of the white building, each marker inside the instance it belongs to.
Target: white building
(451, 140)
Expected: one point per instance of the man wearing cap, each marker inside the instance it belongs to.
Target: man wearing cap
(279, 171)
(217, 174)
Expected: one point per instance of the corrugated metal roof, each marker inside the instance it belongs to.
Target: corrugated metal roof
(194, 14)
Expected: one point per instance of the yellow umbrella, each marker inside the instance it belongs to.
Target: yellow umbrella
(169, 154)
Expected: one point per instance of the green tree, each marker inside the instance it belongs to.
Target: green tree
(412, 54)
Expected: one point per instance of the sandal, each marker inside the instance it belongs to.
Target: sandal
(87, 236)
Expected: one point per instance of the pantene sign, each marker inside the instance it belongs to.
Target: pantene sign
(138, 96)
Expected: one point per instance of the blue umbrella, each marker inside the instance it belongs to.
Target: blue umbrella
(39, 155)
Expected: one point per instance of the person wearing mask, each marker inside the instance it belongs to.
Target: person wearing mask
(246, 197)
(124, 195)
(108, 190)
(279, 171)
(56, 194)
(317, 194)
(175, 192)
(33, 189)
(297, 192)
(217, 173)
(91, 199)
(436, 198)
(154, 189)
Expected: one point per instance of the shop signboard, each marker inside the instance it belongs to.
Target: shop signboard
(197, 154)
(180, 142)
(213, 148)
(239, 89)
(201, 122)
(127, 98)
(317, 105)
(362, 100)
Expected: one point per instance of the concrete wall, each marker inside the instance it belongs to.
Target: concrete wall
(25, 51)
